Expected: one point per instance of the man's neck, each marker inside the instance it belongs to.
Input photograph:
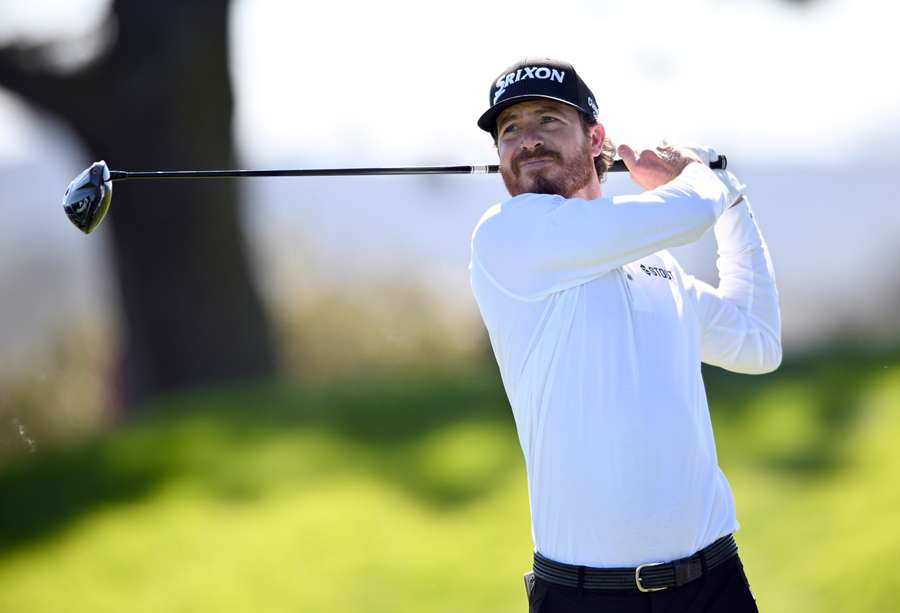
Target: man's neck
(591, 191)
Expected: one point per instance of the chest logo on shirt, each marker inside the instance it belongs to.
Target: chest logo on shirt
(653, 271)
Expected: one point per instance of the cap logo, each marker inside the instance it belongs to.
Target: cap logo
(526, 72)
(593, 105)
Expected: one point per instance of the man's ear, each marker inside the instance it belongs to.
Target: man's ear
(597, 135)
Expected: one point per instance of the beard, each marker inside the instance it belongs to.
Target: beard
(561, 177)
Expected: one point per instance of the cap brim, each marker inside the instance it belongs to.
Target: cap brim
(488, 120)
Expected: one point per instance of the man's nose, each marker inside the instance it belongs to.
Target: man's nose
(531, 138)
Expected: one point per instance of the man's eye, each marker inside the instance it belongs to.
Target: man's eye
(508, 128)
(547, 119)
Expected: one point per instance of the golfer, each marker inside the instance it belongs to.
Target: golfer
(599, 335)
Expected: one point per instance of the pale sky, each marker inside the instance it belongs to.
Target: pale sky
(403, 81)
(406, 80)
(804, 101)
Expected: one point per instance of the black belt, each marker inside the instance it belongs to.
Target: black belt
(646, 577)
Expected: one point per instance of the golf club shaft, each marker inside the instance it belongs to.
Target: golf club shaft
(121, 175)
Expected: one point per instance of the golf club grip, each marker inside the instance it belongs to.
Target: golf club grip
(720, 163)
(120, 175)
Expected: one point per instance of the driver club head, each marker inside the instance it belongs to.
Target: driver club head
(88, 196)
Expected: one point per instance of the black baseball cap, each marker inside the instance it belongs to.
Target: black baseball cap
(533, 78)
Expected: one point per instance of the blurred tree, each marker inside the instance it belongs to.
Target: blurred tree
(158, 94)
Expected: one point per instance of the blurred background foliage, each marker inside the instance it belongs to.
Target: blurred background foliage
(369, 462)
(403, 488)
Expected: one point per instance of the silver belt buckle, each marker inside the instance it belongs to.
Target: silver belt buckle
(637, 578)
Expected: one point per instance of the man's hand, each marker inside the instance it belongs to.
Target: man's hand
(652, 168)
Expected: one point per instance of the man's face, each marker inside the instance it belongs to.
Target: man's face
(543, 149)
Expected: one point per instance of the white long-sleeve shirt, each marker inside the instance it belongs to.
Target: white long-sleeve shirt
(599, 336)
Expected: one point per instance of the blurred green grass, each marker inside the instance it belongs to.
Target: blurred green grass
(406, 492)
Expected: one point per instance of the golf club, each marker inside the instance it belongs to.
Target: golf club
(89, 195)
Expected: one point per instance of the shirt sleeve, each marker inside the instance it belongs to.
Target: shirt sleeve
(534, 244)
(740, 320)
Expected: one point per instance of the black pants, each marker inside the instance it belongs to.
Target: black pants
(724, 589)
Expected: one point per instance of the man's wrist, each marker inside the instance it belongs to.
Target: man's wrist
(734, 187)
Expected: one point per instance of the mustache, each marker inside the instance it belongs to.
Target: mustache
(540, 152)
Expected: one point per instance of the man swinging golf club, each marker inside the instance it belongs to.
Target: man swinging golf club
(599, 335)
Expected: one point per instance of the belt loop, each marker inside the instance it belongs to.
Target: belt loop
(580, 582)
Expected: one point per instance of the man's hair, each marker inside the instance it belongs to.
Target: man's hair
(607, 152)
